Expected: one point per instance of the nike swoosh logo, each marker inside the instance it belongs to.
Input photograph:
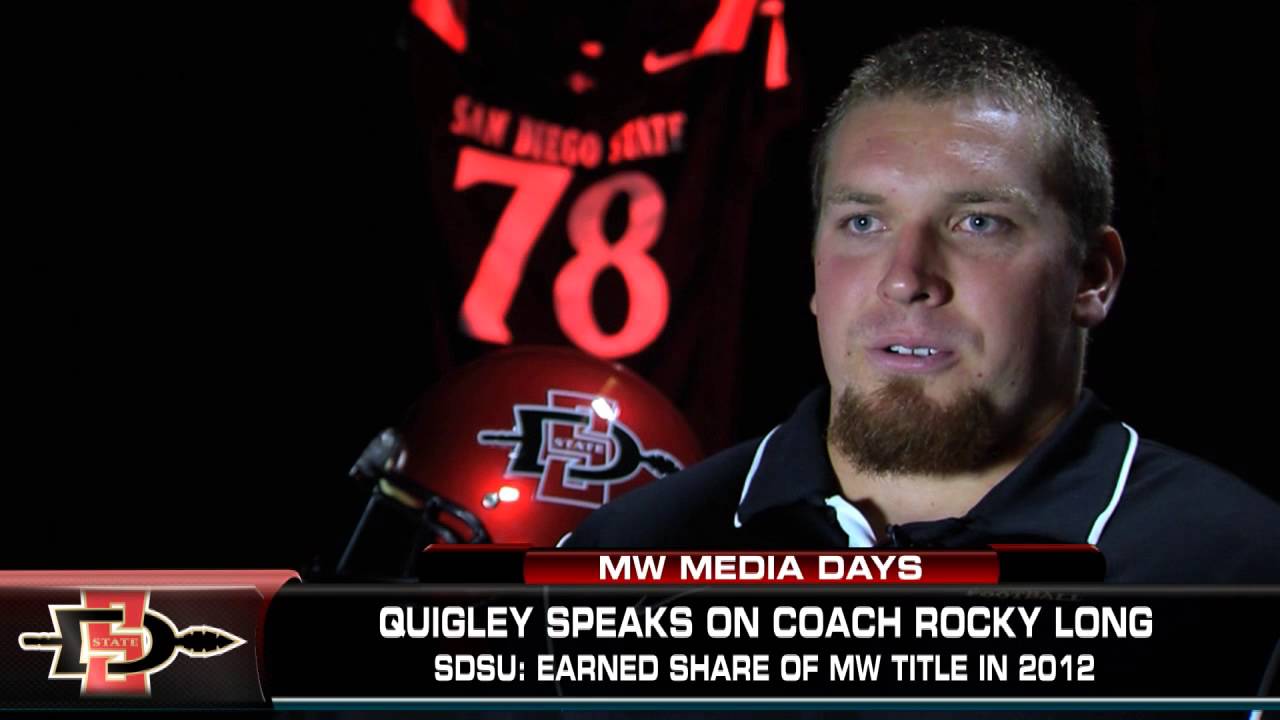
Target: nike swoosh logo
(655, 63)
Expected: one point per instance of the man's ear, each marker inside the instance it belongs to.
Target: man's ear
(1099, 278)
(813, 304)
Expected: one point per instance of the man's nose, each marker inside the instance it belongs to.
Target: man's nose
(916, 273)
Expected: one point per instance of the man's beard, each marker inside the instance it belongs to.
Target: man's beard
(898, 429)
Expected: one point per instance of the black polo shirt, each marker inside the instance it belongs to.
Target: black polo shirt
(1158, 515)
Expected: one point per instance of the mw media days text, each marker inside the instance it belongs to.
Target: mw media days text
(760, 567)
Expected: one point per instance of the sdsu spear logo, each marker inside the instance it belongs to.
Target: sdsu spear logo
(112, 642)
(577, 448)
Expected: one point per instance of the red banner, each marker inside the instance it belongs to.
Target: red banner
(789, 568)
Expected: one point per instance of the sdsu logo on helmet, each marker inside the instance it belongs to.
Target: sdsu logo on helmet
(525, 442)
(577, 448)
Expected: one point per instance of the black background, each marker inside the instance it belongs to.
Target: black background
(212, 258)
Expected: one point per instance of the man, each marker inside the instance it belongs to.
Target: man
(962, 251)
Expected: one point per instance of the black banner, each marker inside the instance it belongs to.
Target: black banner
(452, 645)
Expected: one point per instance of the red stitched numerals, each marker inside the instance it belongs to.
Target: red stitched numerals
(538, 189)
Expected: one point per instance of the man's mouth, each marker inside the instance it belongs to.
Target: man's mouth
(912, 357)
(919, 351)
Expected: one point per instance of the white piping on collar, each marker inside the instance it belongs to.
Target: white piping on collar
(751, 474)
(1105, 516)
(1099, 524)
(853, 522)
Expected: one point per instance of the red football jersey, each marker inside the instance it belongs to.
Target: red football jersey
(591, 170)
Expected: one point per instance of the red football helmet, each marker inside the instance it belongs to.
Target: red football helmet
(524, 443)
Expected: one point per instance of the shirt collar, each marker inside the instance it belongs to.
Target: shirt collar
(1056, 494)
(792, 461)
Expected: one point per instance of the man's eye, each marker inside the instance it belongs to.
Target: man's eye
(862, 224)
(981, 224)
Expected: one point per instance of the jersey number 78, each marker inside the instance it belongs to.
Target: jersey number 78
(539, 187)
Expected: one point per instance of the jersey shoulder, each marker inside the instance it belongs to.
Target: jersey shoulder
(1188, 520)
(692, 508)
